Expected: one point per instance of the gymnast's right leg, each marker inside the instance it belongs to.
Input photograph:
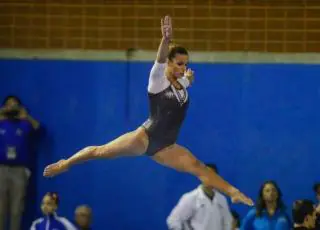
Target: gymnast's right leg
(181, 159)
(130, 144)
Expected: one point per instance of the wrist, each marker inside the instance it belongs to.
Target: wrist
(166, 40)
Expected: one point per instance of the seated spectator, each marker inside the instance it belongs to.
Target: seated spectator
(83, 216)
(269, 213)
(50, 220)
(304, 215)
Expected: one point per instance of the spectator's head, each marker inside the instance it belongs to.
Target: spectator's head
(50, 203)
(11, 101)
(316, 189)
(235, 220)
(12, 106)
(213, 167)
(83, 216)
(269, 193)
(177, 61)
(304, 214)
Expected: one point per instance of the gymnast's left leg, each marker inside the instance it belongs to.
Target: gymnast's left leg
(181, 159)
(132, 144)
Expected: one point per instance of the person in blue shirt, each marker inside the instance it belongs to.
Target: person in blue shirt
(51, 220)
(269, 212)
(17, 132)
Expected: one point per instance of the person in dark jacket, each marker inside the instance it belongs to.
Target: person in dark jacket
(304, 215)
(316, 189)
(83, 217)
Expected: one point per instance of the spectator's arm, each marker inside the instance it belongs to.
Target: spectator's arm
(248, 220)
(181, 213)
(25, 115)
(35, 124)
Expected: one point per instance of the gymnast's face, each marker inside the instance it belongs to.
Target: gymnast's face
(270, 193)
(48, 205)
(178, 65)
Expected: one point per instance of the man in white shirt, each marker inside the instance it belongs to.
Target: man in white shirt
(236, 220)
(201, 209)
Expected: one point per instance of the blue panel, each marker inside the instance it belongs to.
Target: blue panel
(256, 121)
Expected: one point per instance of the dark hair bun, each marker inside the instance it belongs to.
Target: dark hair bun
(54, 196)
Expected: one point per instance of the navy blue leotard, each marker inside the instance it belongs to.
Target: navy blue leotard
(168, 107)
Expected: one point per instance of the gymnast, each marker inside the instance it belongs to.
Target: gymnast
(156, 137)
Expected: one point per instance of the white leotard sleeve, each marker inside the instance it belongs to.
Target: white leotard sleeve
(157, 79)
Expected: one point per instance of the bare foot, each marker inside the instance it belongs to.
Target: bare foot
(239, 197)
(56, 168)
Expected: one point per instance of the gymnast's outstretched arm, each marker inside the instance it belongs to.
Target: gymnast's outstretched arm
(166, 31)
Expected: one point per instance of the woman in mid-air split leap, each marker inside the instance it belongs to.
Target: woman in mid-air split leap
(169, 100)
